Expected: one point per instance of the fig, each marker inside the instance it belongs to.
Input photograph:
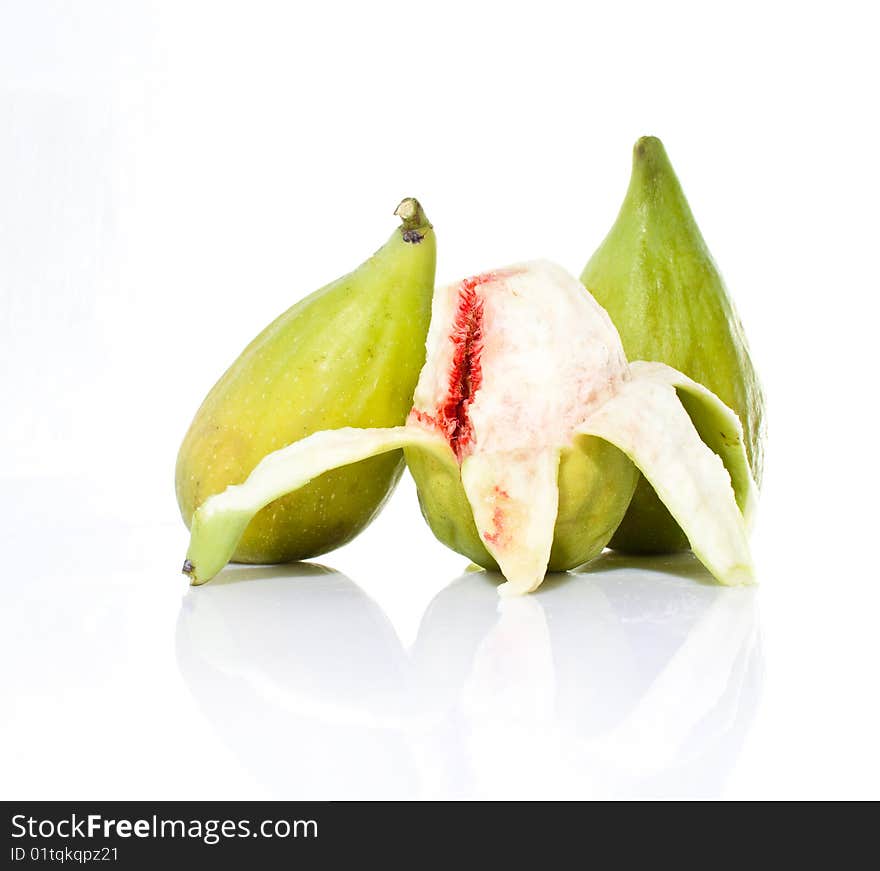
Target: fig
(657, 280)
(347, 355)
(526, 435)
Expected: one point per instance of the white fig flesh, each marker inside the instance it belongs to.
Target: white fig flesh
(522, 363)
(515, 498)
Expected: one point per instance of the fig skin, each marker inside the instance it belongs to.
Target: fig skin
(347, 355)
(596, 482)
(655, 277)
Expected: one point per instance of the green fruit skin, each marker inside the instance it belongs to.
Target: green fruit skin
(656, 278)
(347, 355)
(596, 482)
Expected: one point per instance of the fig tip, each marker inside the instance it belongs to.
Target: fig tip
(646, 146)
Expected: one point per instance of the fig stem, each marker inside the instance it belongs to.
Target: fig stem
(413, 220)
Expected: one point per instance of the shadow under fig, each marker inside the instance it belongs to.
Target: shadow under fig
(679, 565)
(237, 573)
(625, 678)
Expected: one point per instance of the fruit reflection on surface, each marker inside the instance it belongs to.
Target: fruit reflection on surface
(616, 681)
(304, 677)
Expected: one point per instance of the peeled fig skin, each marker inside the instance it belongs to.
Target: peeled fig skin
(347, 355)
(596, 482)
(656, 278)
(527, 432)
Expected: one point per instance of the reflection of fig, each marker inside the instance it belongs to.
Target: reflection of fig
(313, 711)
(622, 681)
(348, 355)
(658, 281)
(524, 422)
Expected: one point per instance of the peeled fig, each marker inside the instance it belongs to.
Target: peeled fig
(347, 355)
(527, 429)
(656, 278)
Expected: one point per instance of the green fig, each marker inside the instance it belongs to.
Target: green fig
(347, 355)
(525, 438)
(657, 280)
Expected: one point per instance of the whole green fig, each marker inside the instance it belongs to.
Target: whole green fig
(656, 278)
(347, 355)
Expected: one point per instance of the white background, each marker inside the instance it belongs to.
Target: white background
(173, 176)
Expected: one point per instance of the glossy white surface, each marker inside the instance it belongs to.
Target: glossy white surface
(624, 679)
(172, 176)
(525, 698)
